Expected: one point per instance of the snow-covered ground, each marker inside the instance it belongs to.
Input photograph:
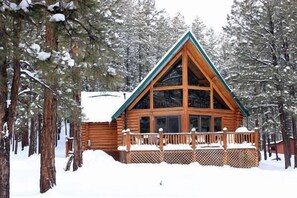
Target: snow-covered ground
(101, 176)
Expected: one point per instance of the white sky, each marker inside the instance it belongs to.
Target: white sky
(212, 12)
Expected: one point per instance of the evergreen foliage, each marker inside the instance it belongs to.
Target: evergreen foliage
(112, 45)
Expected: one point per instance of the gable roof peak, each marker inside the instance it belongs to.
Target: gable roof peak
(188, 35)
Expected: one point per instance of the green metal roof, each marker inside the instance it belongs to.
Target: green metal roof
(161, 64)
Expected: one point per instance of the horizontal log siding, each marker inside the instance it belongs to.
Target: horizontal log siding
(230, 119)
(239, 118)
(103, 136)
(133, 121)
(120, 128)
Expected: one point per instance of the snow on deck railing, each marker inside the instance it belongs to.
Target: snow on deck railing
(189, 141)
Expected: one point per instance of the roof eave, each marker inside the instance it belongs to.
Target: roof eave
(160, 65)
(209, 62)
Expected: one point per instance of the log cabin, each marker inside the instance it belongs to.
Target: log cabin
(183, 99)
(278, 146)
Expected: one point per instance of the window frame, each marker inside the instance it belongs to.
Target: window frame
(167, 118)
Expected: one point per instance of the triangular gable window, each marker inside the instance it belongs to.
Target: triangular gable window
(195, 76)
(218, 101)
(173, 77)
(144, 102)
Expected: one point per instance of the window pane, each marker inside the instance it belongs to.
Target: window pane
(144, 102)
(218, 101)
(200, 123)
(199, 98)
(168, 98)
(169, 124)
(144, 124)
(205, 123)
(173, 124)
(195, 76)
(217, 124)
(161, 123)
(194, 123)
(172, 77)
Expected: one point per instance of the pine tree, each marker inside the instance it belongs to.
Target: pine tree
(208, 40)
(178, 27)
(199, 28)
(264, 68)
(138, 35)
(4, 137)
(162, 41)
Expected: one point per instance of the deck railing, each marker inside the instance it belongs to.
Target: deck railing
(193, 139)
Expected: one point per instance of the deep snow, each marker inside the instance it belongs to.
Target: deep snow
(101, 176)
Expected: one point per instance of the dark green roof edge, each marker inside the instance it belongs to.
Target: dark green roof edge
(151, 75)
(163, 62)
(197, 45)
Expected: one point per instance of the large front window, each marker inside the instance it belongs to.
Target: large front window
(199, 99)
(172, 77)
(168, 98)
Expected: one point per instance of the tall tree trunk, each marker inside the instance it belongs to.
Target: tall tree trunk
(285, 136)
(4, 167)
(47, 160)
(269, 145)
(48, 139)
(4, 139)
(33, 143)
(39, 129)
(77, 161)
(16, 144)
(25, 135)
(264, 145)
(127, 65)
(16, 75)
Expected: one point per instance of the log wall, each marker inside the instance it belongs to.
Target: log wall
(230, 119)
(101, 136)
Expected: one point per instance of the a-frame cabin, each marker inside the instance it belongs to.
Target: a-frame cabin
(183, 93)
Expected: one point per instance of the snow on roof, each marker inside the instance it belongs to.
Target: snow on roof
(100, 106)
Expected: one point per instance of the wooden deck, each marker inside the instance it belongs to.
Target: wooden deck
(237, 149)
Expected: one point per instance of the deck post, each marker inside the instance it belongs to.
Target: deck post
(128, 145)
(225, 145)
(161, 139)
(161, 144)
(193, 138)
(225, 138)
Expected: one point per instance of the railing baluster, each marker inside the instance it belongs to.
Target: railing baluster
(195, 138)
